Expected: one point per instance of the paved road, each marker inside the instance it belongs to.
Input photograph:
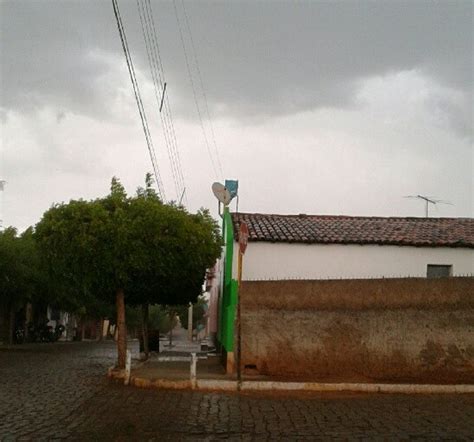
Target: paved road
(59, 391)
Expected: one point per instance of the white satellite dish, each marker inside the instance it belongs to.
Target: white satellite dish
(221, 193)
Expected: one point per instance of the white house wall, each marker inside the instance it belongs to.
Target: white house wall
(319, 261)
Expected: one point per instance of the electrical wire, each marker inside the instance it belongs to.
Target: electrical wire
(141, 109)
(198, 69)
(167, 107)
(198, 109)
(167, 103)
(158, 76)
(154, 75)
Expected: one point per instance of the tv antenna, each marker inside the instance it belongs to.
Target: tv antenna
(428, 200)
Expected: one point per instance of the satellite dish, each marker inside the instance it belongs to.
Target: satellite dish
(221, 193)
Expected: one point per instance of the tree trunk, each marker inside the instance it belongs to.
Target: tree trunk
(121, 329)
(146, 347)
(11, 332)
(101, 330)
(28, 321)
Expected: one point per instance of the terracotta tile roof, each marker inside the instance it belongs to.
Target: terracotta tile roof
(323, 229)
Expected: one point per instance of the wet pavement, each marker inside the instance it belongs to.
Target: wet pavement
(60, 391)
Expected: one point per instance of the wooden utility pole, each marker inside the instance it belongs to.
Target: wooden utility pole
(239, 326)
(243, 240)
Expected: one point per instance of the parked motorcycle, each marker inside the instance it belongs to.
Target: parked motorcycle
(19, 336)
(44, 333)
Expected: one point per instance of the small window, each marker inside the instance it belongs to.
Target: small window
(439, 271)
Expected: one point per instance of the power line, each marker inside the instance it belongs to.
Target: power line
(193, 47)
(158, 76)
(188, 67)
(138, 99)
(167, 113)
(154, 75)
(167, 103)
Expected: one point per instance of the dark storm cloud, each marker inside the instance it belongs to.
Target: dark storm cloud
(46, 54)
(256, 58)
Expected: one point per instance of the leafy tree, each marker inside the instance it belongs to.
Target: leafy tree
(136, 250)
(21, 277)
(160, 319)
(199, 310)
(89, 253)
(189, 244)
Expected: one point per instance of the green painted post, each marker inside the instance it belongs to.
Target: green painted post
(229, 298)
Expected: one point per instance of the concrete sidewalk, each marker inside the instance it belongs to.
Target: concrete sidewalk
(171, 369)
(211, 376)
(180, 342)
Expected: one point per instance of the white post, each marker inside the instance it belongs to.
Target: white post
(193, 370)
(190, 322)
(128, 368)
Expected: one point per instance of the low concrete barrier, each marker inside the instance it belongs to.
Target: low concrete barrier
(231, 385)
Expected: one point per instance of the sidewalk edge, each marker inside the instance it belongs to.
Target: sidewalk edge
(230, 385)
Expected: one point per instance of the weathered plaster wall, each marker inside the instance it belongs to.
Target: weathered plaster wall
(265, 261)
(389, 329)
(213, 311)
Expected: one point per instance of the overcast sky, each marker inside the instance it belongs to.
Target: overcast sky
(316, 107)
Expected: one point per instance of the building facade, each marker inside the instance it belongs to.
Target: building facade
(315, 248)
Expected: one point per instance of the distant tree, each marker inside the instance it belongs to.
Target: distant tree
(21, 277)
(199, 310)
(160, 319)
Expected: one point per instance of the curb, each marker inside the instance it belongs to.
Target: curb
(161, 384)
(218, 385)
(356, 387)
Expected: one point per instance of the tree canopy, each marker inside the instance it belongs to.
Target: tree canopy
(157, 253)
(199, 310)
(150, 252)
(20, 272)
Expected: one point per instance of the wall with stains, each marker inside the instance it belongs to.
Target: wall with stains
(397, 330)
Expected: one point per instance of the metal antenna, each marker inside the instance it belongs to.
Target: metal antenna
(429, 200)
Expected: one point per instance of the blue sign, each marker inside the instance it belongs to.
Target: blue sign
(233, 187)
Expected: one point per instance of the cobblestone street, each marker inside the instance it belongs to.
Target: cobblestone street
(59, 391)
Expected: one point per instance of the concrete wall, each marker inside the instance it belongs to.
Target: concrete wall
(213, 311)
(407, 330)
(265, 261)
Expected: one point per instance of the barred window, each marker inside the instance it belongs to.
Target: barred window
(439, 271)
